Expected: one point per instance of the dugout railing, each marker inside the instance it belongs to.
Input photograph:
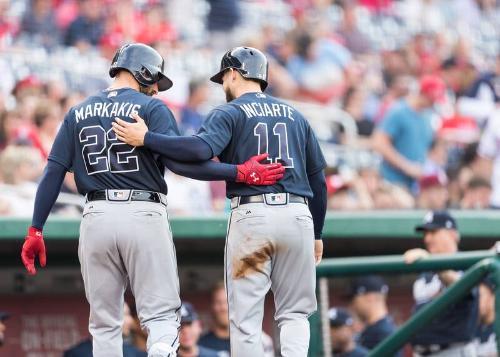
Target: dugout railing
(477, 264)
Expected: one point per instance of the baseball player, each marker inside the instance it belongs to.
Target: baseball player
(451, 333)
(124, 233)
(270, 242)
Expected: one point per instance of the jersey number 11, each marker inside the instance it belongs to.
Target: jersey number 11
(279, 130)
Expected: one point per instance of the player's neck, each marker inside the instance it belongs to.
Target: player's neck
(247, 87)
(124, 82)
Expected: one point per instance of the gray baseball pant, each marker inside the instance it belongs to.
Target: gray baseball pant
(270, 247)
(129, 242)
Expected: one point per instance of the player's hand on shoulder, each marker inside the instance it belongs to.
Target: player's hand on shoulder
(131, 133)
(415, 254)
(318, 251)
(252, 172)
(33, 246)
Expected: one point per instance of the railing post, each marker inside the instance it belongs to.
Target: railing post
(495, 274)
(315, 340)
(325, 321)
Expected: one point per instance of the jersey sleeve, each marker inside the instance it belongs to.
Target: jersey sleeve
(217, 130)
(315, 161)
(160, 119)
(63, 149)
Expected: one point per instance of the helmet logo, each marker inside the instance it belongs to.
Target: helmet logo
(146, 74)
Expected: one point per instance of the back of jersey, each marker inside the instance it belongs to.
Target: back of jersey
(87, 145)
(257, 123)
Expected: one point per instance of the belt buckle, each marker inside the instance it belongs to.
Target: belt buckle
(163, 199)
(118, 195)
(276, 199)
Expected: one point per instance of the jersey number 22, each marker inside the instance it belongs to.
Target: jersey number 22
(279, 130)
(103, 152)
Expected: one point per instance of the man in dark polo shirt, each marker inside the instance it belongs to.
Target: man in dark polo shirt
(189, 335)
(451, 333)
(369, 302)
(218, 336)
(342, 334)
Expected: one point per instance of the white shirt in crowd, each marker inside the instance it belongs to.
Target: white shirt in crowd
(489, 148)
(188, 197)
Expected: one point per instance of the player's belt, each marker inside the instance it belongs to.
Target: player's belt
(435, 348)
(127, 195)
(272, 199)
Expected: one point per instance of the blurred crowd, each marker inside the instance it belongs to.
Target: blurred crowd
(404, 95)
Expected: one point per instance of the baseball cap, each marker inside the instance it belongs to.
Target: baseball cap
(369, 284)
(340, 317)
(433, 87)
(188, 313)
(4, 315)
(435, 220)
(335, 183)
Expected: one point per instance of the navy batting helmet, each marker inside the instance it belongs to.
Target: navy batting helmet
(143, 62)
(250, 62)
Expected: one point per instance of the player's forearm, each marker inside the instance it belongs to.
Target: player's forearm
(179, 148)
(204, 171)
(317, 204)
(47, 192)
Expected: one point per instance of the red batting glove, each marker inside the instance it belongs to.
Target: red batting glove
(33, 246)
(254, 173)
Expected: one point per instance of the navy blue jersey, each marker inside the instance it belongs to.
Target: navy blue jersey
(206, 352)
(485, 340)
(88, 146)
(356, 352)
(257, 123)
(454, 324)
(210, 340)
(485, 332)
(490, 80)
(375, 333)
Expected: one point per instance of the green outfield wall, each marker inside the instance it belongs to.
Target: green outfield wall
(380, 224)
